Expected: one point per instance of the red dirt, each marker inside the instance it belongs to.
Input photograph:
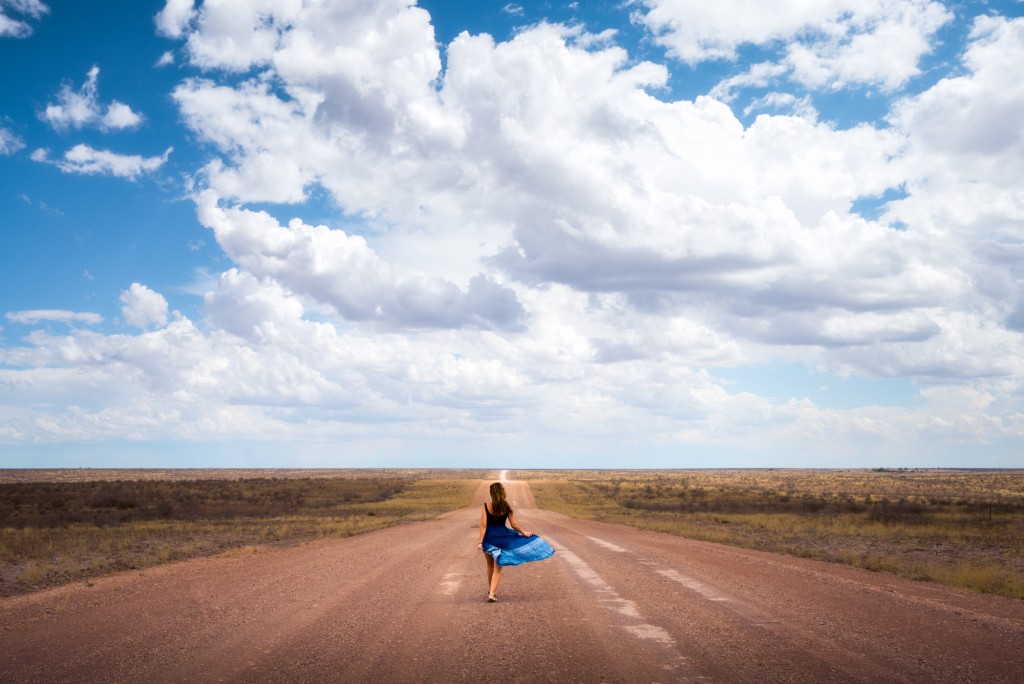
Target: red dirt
(407, 604)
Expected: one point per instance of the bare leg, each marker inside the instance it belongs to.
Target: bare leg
(490, 569)
(495, 580)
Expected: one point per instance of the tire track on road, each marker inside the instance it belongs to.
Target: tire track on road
(631, 620)
(784, 618)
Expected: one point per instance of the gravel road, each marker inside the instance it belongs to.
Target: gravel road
(407, 604)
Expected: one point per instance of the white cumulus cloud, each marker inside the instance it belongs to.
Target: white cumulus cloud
(554, 155)
(965, 152)
(344, 272)
(15, 27)
(9, 142)
(174, 18)
(84, 159)
(828, 44)
(81, 108)
(142, 307)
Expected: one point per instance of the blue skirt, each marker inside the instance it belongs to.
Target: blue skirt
(508, 547)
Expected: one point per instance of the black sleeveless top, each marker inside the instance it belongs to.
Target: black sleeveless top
(495, 520)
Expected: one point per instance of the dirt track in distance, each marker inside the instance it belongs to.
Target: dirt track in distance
(406, 604)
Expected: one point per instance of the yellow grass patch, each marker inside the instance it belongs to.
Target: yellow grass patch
(959, 528)
(61, 531)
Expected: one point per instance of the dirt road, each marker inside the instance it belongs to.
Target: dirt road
(407, 604)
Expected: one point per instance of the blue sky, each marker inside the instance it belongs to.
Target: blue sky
(657, 233)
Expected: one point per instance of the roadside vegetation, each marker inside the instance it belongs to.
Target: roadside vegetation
(66, 526)
(959, 528)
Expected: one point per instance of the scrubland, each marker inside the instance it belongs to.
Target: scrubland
(65, 525)
(957, 527)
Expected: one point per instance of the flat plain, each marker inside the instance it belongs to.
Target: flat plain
(406, 603)
(59, 526)
(962, 528)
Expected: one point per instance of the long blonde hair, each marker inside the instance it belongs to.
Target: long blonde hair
(499, 501)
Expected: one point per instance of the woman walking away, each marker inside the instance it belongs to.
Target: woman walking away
(503, 546)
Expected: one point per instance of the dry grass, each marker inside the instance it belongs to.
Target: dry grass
(35, 475)
(65, 529)
(959, 528)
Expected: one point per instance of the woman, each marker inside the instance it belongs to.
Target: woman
(503, 546)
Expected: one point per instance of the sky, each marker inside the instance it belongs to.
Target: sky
(640, 234)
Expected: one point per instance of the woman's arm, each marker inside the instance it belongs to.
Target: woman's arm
(516, 527)
(483, 525)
